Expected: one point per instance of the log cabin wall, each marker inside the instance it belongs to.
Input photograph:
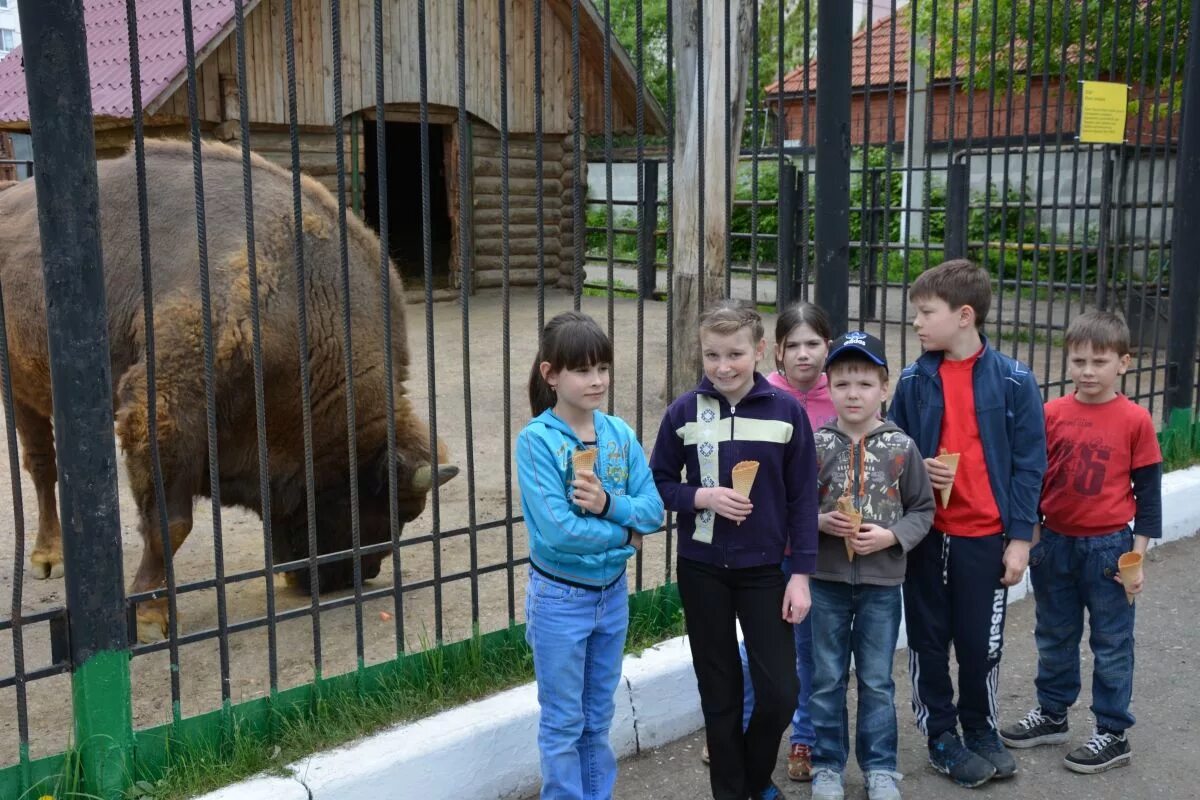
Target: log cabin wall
(266, 78)
(558, 241)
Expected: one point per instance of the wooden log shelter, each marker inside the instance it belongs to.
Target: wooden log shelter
(165, 110)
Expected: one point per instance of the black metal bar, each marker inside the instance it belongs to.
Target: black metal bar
(647, 272)
(68, 202)
(506, 296)
(957, 209)
(465, 242)
(785, 246)
(1185, 238)
(1105, 228)
(833, 160)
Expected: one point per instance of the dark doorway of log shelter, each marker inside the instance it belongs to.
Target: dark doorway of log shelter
(405, 240)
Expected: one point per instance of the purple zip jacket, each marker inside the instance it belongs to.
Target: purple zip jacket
(767, 426)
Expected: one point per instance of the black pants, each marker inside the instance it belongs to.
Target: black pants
(952, 593)
(740, 763)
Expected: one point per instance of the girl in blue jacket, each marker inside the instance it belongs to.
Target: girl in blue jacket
(583, 526)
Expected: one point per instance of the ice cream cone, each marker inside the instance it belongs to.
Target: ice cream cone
(845, 505)
(743, 477)
(584, 460)
(951, 461)
(1130, 565)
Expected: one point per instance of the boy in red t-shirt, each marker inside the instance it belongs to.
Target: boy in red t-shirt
(1105, 469)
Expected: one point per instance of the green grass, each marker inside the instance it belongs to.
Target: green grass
(430, 681)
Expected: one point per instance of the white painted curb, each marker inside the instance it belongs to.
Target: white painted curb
(488, 749)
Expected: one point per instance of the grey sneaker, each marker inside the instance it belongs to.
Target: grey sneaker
(1105, 750)
(881, 785)
(827, 785)
(1036, 728)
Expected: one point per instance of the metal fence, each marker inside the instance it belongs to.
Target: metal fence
(932, 130)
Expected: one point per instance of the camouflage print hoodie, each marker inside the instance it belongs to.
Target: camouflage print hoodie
(886, 477)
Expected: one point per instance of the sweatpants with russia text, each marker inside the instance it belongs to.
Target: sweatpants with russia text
(953, 594)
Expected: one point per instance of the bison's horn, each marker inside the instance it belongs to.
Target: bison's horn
(422, 480)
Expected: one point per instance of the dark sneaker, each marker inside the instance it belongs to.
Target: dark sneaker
(1035, 728)
(1105, 750)
(948, 756)
(770, 793)
(988, 744)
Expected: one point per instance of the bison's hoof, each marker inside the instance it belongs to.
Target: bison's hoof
(46, 565)
(151, 624)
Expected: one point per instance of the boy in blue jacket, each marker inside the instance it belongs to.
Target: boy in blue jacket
(963, 398)
(583, 526)
(731, 545)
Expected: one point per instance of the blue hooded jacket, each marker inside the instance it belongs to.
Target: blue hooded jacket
(1012, 428)
(564, 541)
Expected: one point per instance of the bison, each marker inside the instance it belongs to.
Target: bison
(179, 338)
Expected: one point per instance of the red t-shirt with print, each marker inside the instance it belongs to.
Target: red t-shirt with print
(1091, 450)
(972, 510)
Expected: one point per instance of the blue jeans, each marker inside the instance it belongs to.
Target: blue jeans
(802, 727)
(1071, 573)
(578, 638)
(862, 620)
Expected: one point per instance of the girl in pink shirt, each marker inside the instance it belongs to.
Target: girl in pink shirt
(802, 337)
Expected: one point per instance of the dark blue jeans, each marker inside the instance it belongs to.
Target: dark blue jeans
(1071, 573)
(864, 621)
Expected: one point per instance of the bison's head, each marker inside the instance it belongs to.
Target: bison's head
(414, 479)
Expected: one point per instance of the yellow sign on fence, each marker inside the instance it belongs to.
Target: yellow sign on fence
(1102, 112)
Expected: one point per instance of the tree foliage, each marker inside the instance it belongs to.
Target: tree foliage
(1006, 43)
(624, 13)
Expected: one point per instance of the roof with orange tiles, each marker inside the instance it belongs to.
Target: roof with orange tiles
(161, 53)
(879, 53)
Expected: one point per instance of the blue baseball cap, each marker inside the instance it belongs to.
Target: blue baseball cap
(858, 342)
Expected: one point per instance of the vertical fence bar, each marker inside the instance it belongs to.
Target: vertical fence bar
(57, 81)
(578, 165)
(18, 579)
(647, 251)
(833, 160)
(506, 297)
(1103, 266)
(958, 180)
(785, 289)
(1185, 238)
(335, 16)
(465, 257)
(427, 264)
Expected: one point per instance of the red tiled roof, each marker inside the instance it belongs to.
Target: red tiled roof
(161, 52)
(884, 68)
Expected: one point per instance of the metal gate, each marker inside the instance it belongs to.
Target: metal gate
(627, 157)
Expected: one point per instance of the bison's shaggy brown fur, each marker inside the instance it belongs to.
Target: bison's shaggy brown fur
(179, 339)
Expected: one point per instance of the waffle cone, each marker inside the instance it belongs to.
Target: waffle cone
(951, 461)
(584, 460)
(744, 473)
(743, 477)
(1130, 565)
(845, 505)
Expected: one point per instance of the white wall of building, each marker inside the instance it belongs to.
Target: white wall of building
(10, 26)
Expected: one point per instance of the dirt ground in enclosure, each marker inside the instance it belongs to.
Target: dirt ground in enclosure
(485, 496)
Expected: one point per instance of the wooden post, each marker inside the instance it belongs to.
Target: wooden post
(700, 63)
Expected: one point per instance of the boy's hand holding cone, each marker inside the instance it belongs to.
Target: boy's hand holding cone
(845, 506)
(1130, 566)
(744, 473)
(941, 482)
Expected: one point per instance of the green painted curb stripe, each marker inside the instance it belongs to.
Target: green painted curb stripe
(100, 692)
